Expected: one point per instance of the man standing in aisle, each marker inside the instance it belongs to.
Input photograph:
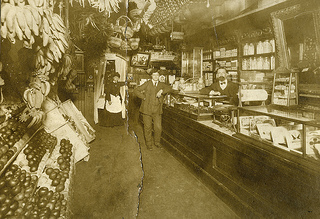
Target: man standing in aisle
(152, 94)
(222, 87)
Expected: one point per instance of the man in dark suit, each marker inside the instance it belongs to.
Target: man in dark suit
(222, 87)
(151, 93)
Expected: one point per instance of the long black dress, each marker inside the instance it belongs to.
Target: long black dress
(106, 116)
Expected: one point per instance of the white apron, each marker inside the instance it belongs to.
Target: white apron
(116, 106)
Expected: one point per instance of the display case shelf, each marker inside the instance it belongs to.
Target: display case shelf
(195, 106)
(285, 85)
(288, 129)
(310, 96)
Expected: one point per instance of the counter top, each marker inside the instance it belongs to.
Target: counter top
(217, 127)
(202, 96)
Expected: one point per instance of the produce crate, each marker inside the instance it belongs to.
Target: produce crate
(81, 125)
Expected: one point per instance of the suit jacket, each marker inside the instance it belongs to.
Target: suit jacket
(147, 92)
(230, 91)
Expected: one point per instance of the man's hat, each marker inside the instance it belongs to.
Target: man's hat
(154, 71)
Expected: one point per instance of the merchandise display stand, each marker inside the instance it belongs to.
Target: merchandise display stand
(54, 145)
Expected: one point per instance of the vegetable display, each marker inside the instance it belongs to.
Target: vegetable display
(16, 188)
(59, 176)
(9, 135)
(41, 143)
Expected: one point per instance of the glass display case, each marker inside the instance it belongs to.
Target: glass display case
(192, 63)
(285, 87)
(292, 130)
(195, 106)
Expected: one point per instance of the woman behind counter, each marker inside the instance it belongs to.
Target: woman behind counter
(113, 102)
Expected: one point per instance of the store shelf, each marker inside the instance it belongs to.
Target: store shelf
(226, 58)
(256, 55)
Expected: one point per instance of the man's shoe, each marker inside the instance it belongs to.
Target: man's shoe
(158, 145)
(149, 147)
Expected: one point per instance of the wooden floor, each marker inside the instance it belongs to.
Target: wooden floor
(107, 186)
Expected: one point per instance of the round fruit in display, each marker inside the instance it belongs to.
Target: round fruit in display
(60, 160)
(43, 191)
(60, 188)
(55, 182)
(49, 171)
(53, 175)
(33, 168)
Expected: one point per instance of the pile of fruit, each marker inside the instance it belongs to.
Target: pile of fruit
(66, 153)
(59, 176)
(9, 135)
(37, 148)
(46, 204)
(16, 187)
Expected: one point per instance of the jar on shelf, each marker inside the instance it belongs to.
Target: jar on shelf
(260, 47)
(244, 64)
(254, 63)
(245, 49)
(251, 49)
(272, 62)
(266, 63)
(250, 64)
(273, 44)
(260, 63)
(267, 47)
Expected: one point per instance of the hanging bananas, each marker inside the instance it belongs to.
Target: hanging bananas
(23, 21)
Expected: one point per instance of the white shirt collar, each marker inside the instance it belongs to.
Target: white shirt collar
(155, 82)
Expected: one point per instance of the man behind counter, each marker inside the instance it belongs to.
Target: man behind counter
(222, 87)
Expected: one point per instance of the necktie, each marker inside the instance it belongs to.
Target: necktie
(155, 84)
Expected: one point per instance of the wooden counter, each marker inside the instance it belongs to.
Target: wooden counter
(255, 181)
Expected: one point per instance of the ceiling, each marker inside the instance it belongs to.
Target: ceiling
(170, 14)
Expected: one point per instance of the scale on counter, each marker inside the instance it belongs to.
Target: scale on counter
(224, 115)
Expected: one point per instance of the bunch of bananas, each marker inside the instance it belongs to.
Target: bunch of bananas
(34, 95)
(40, 82)
(36, 114)
(66, 66)
(26, 21)
(42, 63)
